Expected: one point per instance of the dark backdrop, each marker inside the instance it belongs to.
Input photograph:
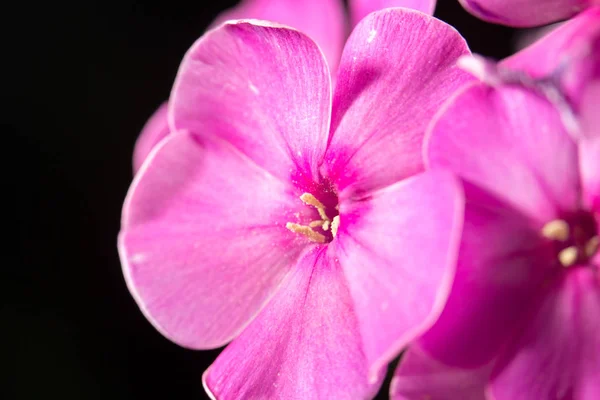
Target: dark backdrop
(82, 81)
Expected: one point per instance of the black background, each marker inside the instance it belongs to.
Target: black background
(82, 80)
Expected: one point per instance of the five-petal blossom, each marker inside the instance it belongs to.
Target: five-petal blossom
(297, 222)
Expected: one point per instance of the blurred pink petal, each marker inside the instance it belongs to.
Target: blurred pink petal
(322, 20)
(565, 45)
(558, 355)
(419, 376)
(511, 142)
(589, 164)
(398, 272)
(153, 132)
(525, 13)
(271, 101)
(309, 330)
(502, 262)
(361, 8)
(203, 242)
(397, 68)
(589, 147)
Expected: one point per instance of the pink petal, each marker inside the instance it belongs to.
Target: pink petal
(304, 345)
(558, 49)
(360, 8)
(589, 165)
(581, 81)
(398, 250)
(589, 146)
(511, 142)
(263, 88)
(502, 261)
(203, 241)
(558, 355)
(524, 13)
(419, 376)
(322, 20)
(153, 132)
(397, 69)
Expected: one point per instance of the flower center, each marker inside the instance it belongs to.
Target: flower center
(575, 237)
(322, 228)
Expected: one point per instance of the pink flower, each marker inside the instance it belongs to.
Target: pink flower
(526, 13)
(294, 220)
(322, 20)
(523, 316)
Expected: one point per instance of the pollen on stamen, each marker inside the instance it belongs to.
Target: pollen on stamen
(306, 231)
(314, 224)
(568, 256)
(335, 224)
(556, 230)
(311, 200)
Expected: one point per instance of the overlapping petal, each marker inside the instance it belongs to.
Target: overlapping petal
(203, 242)
(361, 8)
(502, 262)
(568, 53)
(558, 355)
(263, 88)
(397, 249)
(397, 68)
(419, 376)
(511, 142)
(322, 20)
(589, 147)
(305, 345)
(524, 13)
(153, 132)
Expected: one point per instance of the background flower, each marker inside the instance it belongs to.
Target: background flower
(525, 13)
(526, 300)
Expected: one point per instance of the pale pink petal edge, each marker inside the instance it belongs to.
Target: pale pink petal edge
(120, 239)
(205, 36)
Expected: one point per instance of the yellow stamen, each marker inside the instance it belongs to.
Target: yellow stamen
(591, 247)
(311, 200)
(306, 231)
(556, 230)
(568, 256)
(325, 223)
(335, 225)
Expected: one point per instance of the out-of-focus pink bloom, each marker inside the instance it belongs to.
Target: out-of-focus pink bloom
(526, 13)
(155, 130)
(323, 21)
(523, 316)
(295, 220)
(361, 8)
